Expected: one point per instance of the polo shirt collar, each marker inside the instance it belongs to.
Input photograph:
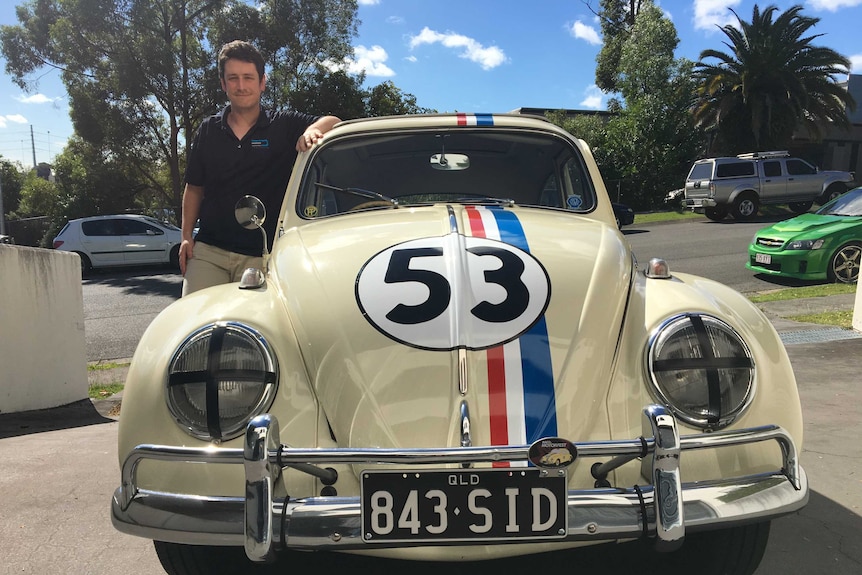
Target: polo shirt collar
(263, 119)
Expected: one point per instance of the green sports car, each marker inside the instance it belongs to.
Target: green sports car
(826, 244)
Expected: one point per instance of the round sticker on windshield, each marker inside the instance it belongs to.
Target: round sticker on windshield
(574, 202)
(451, 292)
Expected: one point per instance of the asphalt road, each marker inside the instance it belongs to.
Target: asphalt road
(119, 305)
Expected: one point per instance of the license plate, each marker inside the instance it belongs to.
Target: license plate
(763, 258)
(463, 505)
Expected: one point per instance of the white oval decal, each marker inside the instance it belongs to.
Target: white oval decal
(453, 291)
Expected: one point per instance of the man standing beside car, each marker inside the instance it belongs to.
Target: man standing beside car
(242, 150)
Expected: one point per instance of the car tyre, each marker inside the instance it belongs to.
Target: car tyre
(734, 551)
(175, 257)
(86, 264)
(715, 214)
(844, 263)
(832, 192)
(177, 559)
(745, 207)
(800, 207)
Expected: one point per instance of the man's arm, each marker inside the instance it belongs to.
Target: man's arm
(315, 132)
(192, 198)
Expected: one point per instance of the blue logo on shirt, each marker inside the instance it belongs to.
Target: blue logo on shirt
(260, 143)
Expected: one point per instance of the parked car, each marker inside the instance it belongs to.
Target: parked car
(120, 240)
(450, 353)
(741, 184)
(825, 245)
(624, 215)
(4, 239)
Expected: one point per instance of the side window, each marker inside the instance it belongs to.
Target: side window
(771, 169)
(136, 228)
(100, 228)
(577, 187)
(799, 168)
(735, 170)
(701, 171)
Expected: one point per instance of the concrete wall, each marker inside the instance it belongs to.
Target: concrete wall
(857, 308)
(43, 356)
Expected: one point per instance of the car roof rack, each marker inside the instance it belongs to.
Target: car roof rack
(757, 155)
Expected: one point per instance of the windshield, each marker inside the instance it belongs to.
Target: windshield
(422, 167)
(849, 204)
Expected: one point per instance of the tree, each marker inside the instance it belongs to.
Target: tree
(773, 80)
(11, 180)
(387, 99)
(646, 146)
(617, 18)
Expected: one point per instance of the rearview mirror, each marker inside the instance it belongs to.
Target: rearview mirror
(450, 161)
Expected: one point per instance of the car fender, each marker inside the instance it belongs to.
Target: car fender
(147, 419)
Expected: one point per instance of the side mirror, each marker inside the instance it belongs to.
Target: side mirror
(250, 213)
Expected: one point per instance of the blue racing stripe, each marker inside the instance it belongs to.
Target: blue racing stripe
(540, 405)
(484, 120)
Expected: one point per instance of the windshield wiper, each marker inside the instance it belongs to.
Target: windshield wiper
(487, 200)
(368, 194)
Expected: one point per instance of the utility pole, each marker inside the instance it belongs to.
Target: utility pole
(33, 146)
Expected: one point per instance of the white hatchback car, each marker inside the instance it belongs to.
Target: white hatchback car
(121, 240)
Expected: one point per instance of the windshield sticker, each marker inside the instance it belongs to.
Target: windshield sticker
(574, 202)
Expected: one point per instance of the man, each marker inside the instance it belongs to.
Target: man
(243, 150)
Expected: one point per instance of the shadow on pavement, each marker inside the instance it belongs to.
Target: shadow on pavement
(141, 281)
(77, 414)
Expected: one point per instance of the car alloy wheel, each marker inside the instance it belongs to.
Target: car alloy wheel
(844, 264)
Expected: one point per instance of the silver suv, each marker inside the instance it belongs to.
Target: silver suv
(740, 185)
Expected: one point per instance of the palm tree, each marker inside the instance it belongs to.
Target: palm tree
(773, 81)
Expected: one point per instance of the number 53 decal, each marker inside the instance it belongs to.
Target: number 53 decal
(447, 292)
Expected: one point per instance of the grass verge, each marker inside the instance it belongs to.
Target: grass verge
(104, 390)
(819, 290)
(837, 318)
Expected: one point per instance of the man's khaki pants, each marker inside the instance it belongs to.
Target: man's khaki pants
(214, 266)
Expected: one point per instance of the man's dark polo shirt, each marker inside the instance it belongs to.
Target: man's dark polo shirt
(228, 169)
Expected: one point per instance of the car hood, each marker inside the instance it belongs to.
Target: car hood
(442, 325)
(807, 223)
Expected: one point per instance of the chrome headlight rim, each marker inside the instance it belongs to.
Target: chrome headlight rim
(672, 326)
(213, 431)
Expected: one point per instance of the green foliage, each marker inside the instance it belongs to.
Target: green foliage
(38, 196)
(646, 147)
(11, 180)
(773, 80)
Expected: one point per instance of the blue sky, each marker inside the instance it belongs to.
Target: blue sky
(460, 55)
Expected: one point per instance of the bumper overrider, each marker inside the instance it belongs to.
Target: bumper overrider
(263, 523)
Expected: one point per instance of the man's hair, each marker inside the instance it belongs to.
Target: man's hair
(239, 50)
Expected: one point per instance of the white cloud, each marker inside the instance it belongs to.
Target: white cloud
(833, 5)
(583, 32)
(395, 20)
(711, 14)
(369, 2)
(369, 60)
(36, 99)
(13, 118)
(411, 58)
(855, 63)
(592, 98)
(470, 49)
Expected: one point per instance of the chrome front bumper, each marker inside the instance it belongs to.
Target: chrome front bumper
(263, 524)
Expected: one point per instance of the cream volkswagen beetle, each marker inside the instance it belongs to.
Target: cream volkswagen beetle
(451, 354)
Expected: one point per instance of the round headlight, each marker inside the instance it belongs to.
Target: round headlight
(220, 377)
(701, 369)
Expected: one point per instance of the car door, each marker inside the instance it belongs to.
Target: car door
(773, 181)
(803, 181)
(102, 241)
(143, 243)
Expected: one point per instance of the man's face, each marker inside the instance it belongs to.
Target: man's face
(242, 84)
